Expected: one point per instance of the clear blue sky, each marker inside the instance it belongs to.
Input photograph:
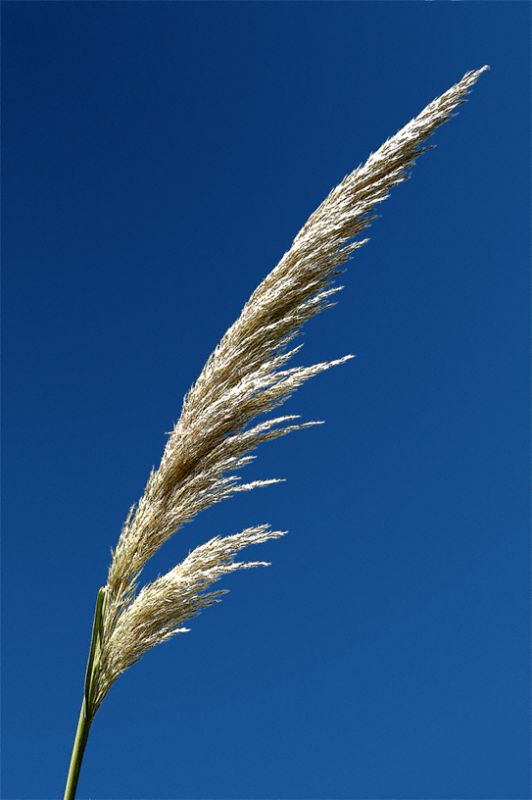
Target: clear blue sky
(158, 160)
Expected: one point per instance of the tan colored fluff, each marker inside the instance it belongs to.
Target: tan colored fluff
(246, 376)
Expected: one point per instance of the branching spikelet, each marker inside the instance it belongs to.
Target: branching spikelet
(246, 376)
(161, 607)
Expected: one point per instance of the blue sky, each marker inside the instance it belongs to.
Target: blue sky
(158, 160)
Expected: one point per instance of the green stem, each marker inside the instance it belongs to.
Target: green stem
(82, 734)
(87, 712)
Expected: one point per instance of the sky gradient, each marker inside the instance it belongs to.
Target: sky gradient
(158, 159)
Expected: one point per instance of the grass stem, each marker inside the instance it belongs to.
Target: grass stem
(82, 734)
(88, 709)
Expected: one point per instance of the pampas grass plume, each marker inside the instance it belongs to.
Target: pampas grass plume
(216, 435)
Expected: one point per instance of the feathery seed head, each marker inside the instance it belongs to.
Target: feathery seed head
(246, 376)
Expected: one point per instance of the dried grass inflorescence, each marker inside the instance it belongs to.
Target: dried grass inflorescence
(246, 376)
